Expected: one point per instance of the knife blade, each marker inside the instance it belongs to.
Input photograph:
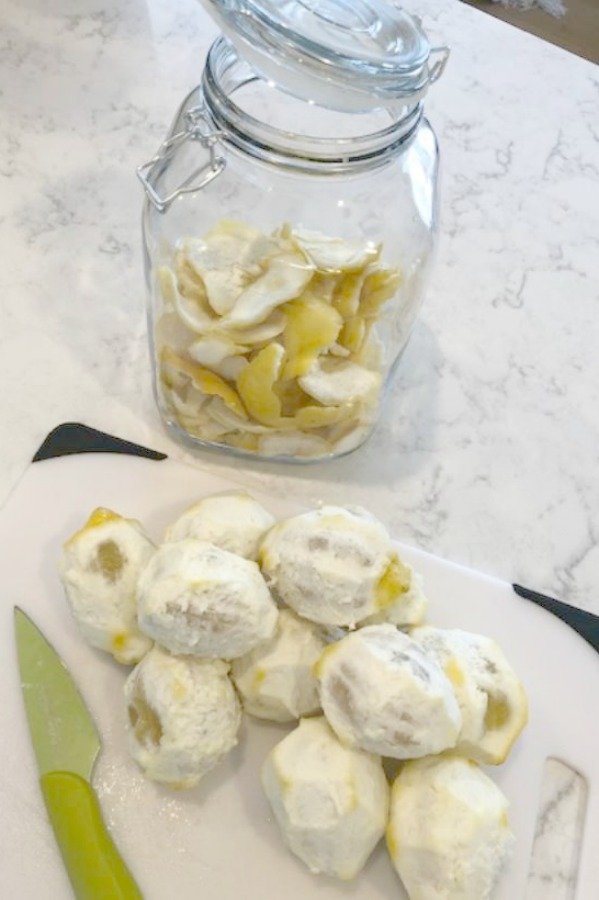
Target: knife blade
(66, 745)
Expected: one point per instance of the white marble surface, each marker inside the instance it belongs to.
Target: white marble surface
(488, 453)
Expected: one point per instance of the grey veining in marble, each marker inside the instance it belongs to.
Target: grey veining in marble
(554, 862)
(489, 443)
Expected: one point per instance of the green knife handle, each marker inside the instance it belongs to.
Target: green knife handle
(95, 868)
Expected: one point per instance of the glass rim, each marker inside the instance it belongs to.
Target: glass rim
(286, 148)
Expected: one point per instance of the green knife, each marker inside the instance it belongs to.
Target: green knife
(66, 745)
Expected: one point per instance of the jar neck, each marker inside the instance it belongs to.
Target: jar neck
(225, 73)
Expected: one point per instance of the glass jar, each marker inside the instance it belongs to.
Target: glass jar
(289, 223)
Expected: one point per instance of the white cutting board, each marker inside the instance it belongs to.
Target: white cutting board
(218, 841)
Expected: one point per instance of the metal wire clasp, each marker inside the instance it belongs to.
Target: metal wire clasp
(437, 69)
(196, 128)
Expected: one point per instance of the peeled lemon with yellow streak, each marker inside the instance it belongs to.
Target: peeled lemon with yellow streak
(491, 697)
(332, 565)
(381, 692)
(401, 597)
(183, 716)
(99, 568)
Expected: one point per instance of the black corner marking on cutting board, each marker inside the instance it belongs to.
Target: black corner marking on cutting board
(586, 624)
(73, 437)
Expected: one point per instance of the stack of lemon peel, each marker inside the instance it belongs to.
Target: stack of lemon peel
(265, 342)
(314, 618)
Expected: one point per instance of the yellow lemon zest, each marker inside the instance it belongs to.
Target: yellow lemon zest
(259, 676)
(353, 333)
(248, 442)
(292, 396)
(99, 516)
(394, 581)
(319, 416)
(346, 296)
(312, 326)
(256, 382)
(454, 672)
(319, 665)
(119, 642)
(206, 381)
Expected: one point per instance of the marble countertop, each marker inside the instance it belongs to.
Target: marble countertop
(488, 453)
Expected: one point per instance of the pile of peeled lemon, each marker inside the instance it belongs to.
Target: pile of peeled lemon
(265, 342)
(314, 620)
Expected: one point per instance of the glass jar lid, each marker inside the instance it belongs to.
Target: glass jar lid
(350, 55)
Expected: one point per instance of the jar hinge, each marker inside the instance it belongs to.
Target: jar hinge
(197, 128)
(436, 70)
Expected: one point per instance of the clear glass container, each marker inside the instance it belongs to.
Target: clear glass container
(288, 233)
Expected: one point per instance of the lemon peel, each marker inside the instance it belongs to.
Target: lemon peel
(312, 326)
(332, 254)
(256, 384)
(353, 333)
(293, 443)
(256, 334)
(394, 582)
(285, 278)
(346, 296)
(192, 306)
(380, 284)
(229, 258)
(167, 281)
(318, 416)
(336, 382)
(206, 381)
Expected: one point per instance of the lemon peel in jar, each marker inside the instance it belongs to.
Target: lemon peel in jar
(333, 254)
(259, 324)
(219, 354)
(206, 381)
(262, 333)
(192, 308)
(380, 284)
(256, 384)
(346, 296)
(310, 417)
(335, 382)
(353, 333)
(293, 443)
(167, 281)
(312, 327)
(229, 258)
(284, 279)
